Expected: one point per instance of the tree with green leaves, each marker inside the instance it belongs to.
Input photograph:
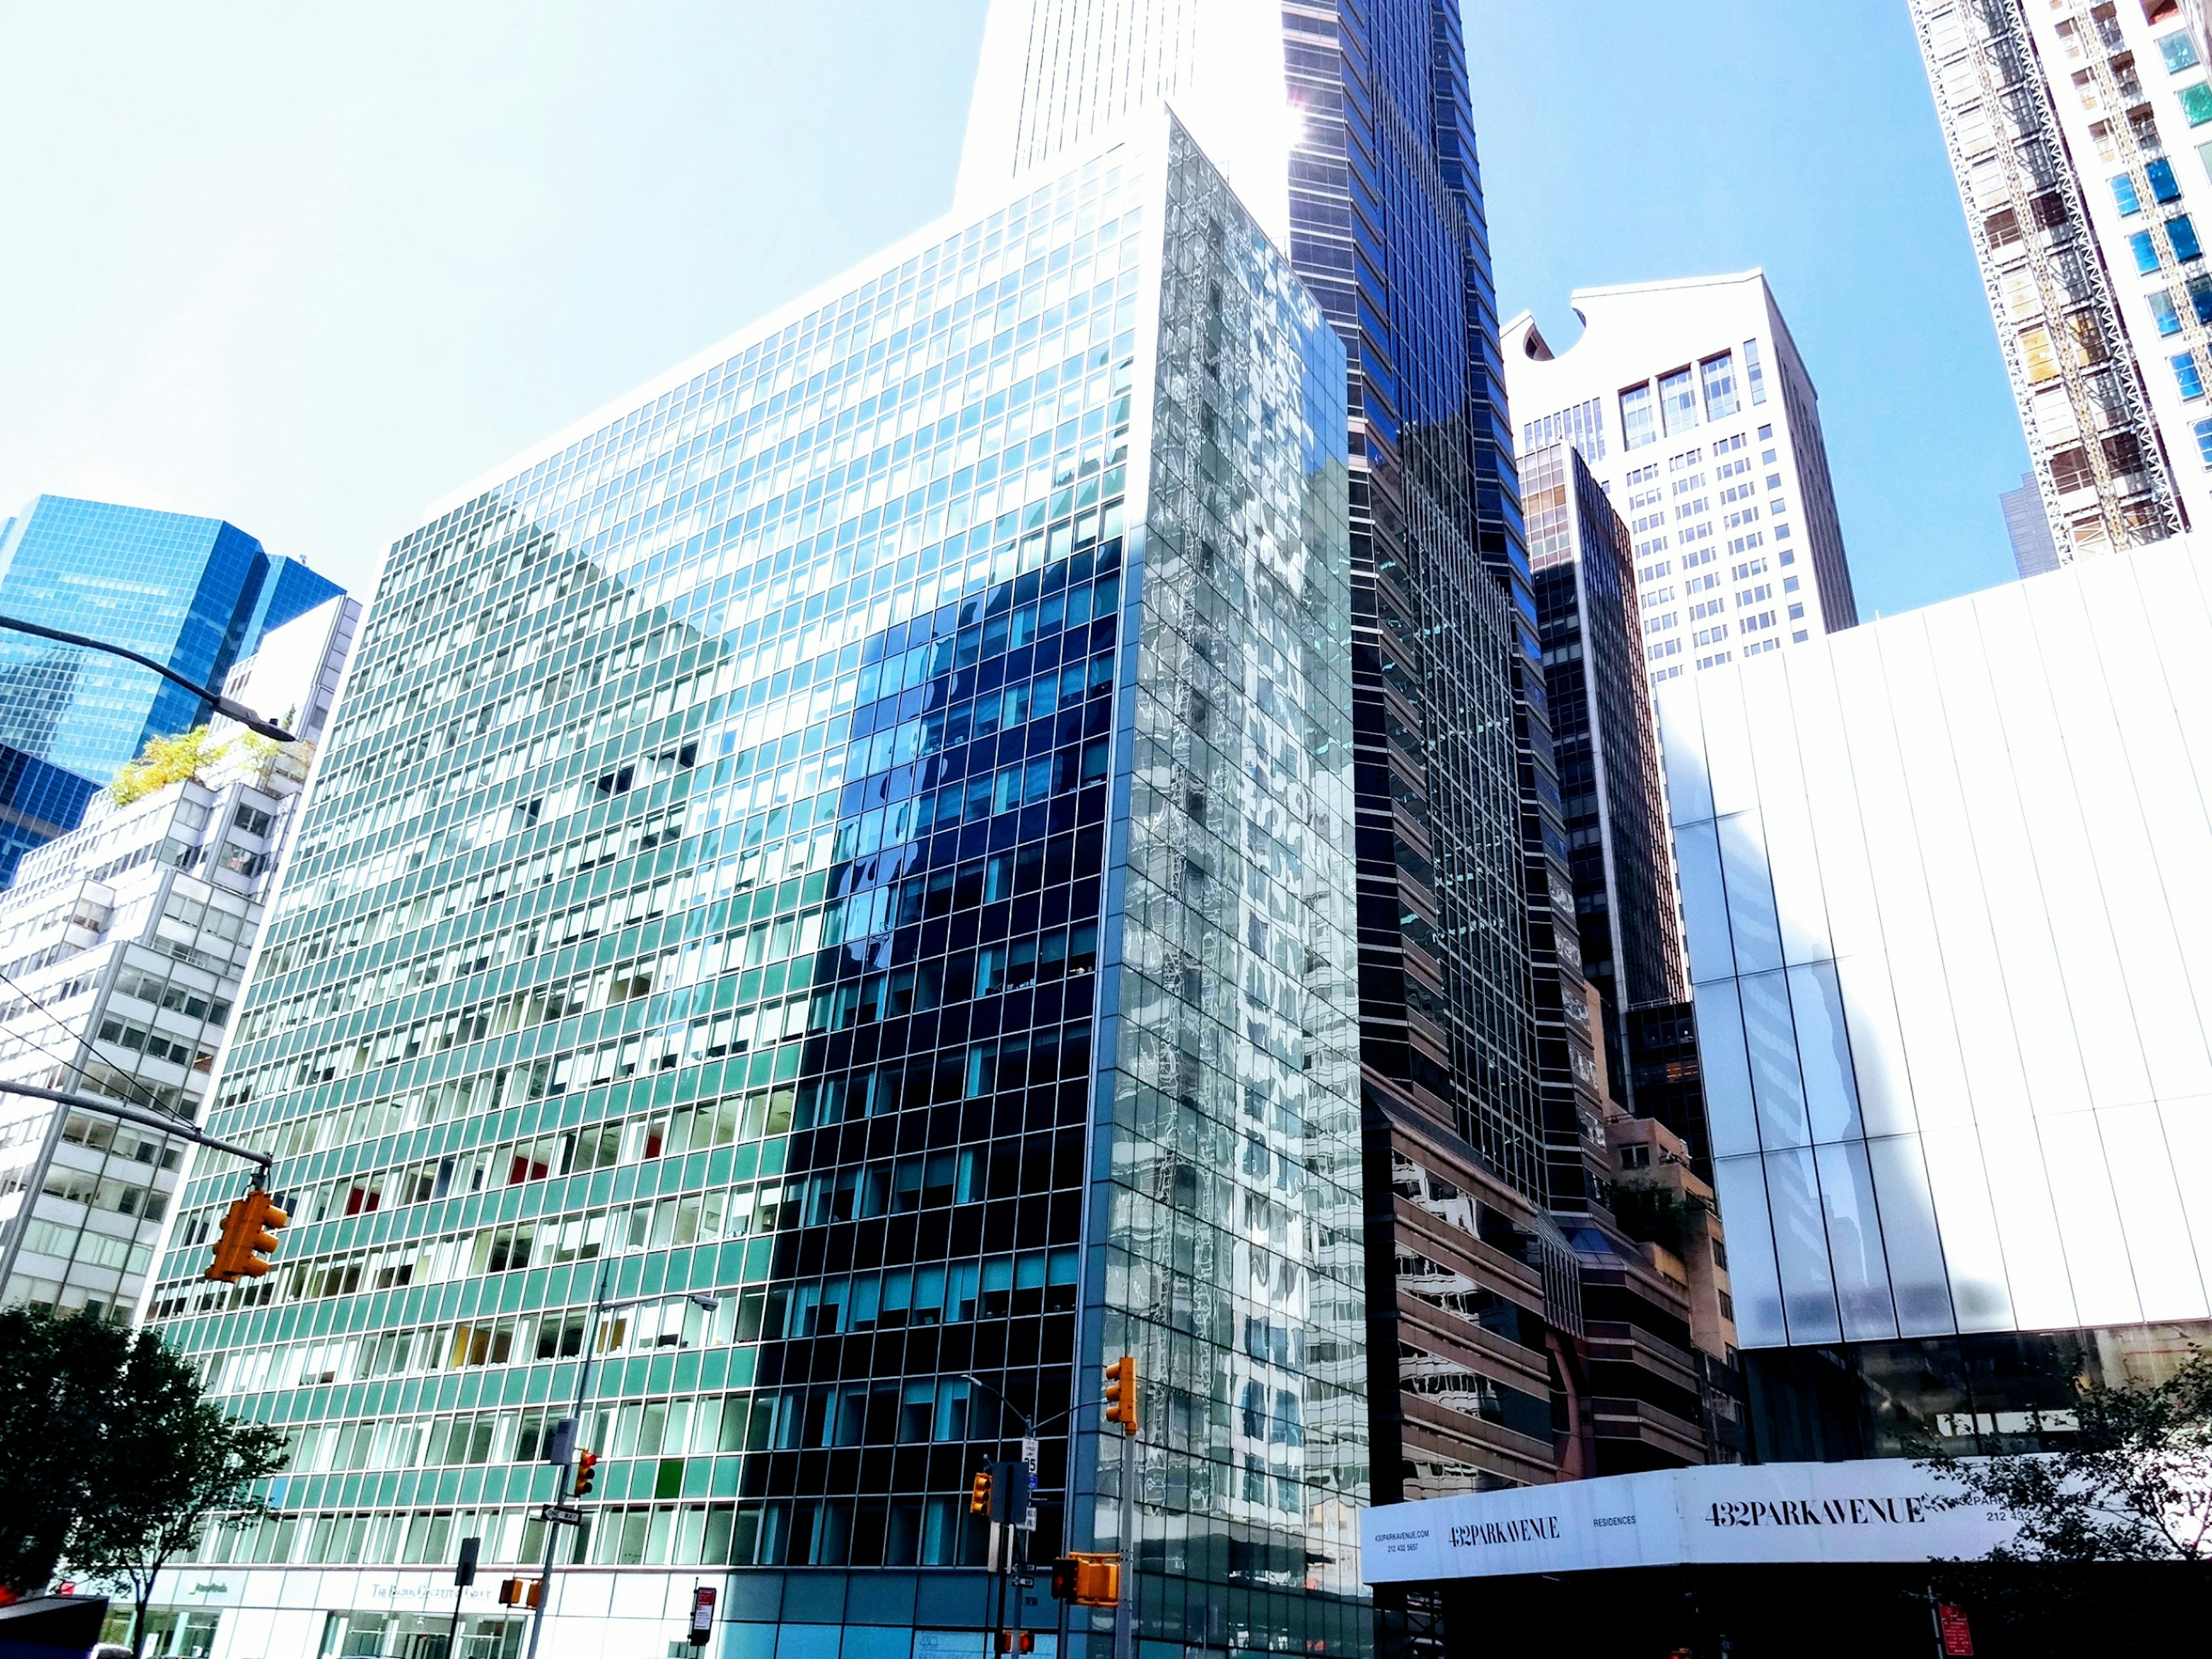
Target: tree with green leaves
(2118, 1522)
(170, 1464)
(2135, 1485)
(188, 755)
(55, 1379)
(112, 1458)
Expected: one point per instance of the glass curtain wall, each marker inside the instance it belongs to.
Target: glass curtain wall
(749, 832)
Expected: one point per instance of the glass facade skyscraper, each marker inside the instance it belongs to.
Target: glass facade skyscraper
(1360, 160)
(193, 594)
(1605, 742)
(861, 832)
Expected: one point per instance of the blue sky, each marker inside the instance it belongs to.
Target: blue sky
(309, 272)
(1624, 142)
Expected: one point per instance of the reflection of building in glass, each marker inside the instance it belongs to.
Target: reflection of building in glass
(195, 594)
(1945, 884)
(1651, 1367)
(122, 945)
(1612, 803)
(1365, 173)
(861, 829)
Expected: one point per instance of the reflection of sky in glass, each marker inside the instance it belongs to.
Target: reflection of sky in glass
(766, 907)
(190, 593)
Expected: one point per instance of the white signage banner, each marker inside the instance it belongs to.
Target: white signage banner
(1882, 1510)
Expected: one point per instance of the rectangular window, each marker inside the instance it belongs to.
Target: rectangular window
(2123, 194)
(1637, 428)
(2178, 51)
(2197, 104)
(2037, 358)
(1720, 386)
(2203, 431)
(1678, 402)
(2145, 250)
(2162, 312)
(1754, 375)
(2186, 375)
(2200, 298)
(2163, 185)
(2183, 235)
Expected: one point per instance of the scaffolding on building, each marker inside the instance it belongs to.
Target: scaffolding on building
(2096, 455)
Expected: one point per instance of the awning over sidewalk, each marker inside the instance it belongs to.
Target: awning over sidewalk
(1884, 1510)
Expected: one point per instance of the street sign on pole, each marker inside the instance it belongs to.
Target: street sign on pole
(1953, 1634)
(1029, 1457)
(703, 1616)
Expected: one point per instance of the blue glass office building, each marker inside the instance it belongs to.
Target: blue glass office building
(861, 831)
(1345, 126)
(192, 593)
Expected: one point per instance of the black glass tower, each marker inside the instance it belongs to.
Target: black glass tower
(1607, 750)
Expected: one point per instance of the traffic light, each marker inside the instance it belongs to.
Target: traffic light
(1008, 1492)
(1121, 1393)
(521, 1592)
(587, 1471)
(1017, 1641)
(248, 1238)
(1087, 1580)
(979, 1495)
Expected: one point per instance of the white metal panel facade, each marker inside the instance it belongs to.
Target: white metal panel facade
(1948, 885)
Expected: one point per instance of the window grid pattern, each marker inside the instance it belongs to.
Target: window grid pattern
(710, 880)
(192, 593)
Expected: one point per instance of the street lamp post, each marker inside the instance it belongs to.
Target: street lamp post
(600, 1307)
(1004, 1559)
(237, 711)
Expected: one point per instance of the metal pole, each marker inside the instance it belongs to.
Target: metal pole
(224, 705)
(146, 1116)
(560, 1480)
(1001, 1552)
(141, 1115)
(1125, 1610)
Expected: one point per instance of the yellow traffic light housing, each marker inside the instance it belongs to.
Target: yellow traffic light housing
(979, 1495)
(587, 1471)
(1088, 1579)
(248, 1238)
(1121, 1393)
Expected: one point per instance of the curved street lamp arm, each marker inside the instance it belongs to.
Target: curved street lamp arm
(238, 712)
